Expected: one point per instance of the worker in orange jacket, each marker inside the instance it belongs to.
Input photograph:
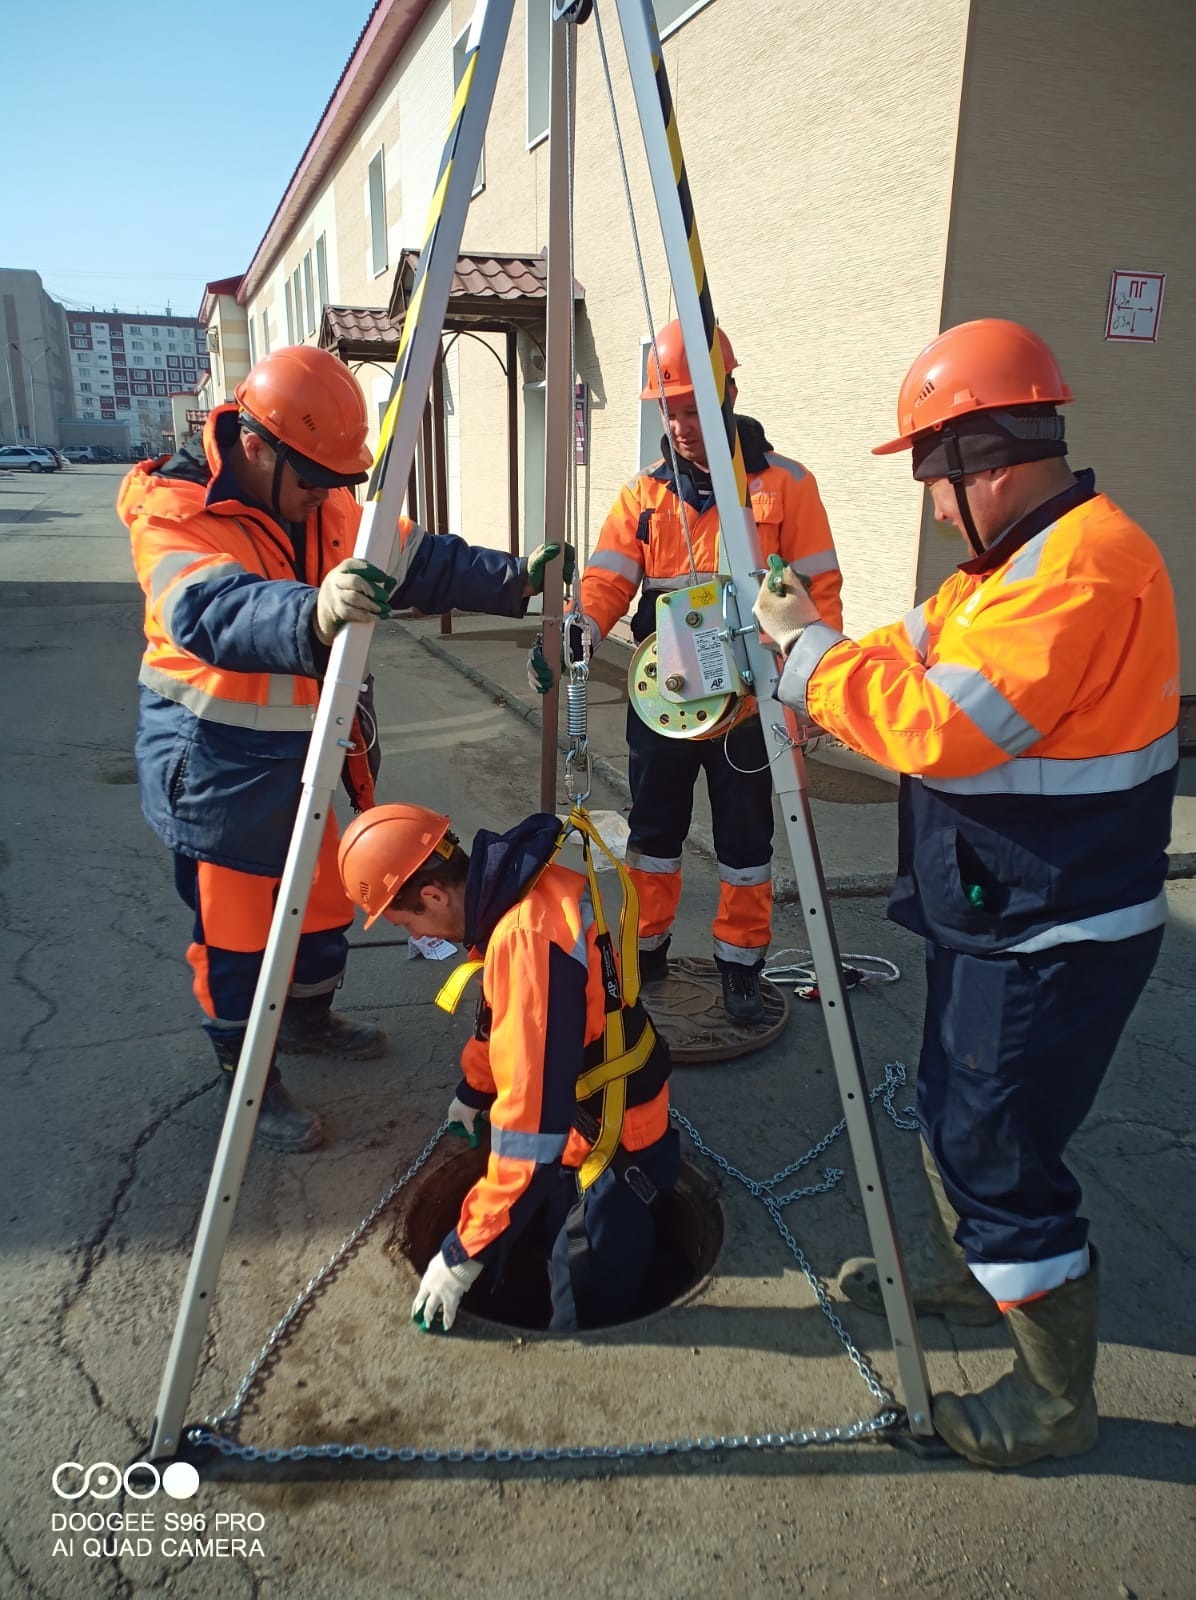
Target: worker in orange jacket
(1031, 707)
(564, 1061)
(245, 554)
(662, 534)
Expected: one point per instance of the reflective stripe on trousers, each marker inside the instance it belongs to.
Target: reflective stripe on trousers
(662, 774)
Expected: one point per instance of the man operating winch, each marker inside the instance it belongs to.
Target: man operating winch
(1031, 707)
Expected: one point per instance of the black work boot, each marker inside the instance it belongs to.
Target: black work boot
(310, 1027)
(654, 964)
(281, 1123)
(742, 1000)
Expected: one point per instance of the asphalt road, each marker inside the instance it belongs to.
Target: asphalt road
(111, 1116)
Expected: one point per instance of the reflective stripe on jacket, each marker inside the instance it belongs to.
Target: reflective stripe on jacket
(643, 541)
(1031, 705)
(543, 1011)
(231, 672)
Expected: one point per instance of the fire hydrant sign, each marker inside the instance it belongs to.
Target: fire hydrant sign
(1135, 300)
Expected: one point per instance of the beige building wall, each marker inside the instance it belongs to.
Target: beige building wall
(823, 209)
(1077, 149)
(228, 351)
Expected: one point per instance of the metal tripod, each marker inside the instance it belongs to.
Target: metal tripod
(377, 541)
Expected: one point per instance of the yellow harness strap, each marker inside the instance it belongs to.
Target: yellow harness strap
(449, 997)
(618, 1062)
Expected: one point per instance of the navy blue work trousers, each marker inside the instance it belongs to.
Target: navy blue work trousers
(598, 1266)
(1014, 1050)
(662, 773)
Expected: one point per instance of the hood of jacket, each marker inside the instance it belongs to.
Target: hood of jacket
(502, 867)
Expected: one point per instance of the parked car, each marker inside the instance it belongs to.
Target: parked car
(79, 452)
(27, 458)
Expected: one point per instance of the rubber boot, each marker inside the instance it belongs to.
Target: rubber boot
(1046, 1406)
(281, 1123)
(654, 964)
(310, 1027)
(742, 1000)
(939, 1278)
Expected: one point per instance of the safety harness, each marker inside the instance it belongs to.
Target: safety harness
(628, 1037)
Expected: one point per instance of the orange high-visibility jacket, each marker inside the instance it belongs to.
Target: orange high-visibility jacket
(1032, 706)
(642, 546)
(540, 1025)
(231, 672)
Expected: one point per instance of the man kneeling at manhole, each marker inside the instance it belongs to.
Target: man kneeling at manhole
(563, 1060)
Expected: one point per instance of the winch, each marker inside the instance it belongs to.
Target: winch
(687, 680)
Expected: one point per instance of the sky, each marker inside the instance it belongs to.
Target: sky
(146, 146)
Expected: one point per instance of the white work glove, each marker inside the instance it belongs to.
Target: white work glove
(441, 1292)
(354, 591)
(783, 608)
(466, 1120)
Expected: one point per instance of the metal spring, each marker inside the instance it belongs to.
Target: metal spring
(577, 698)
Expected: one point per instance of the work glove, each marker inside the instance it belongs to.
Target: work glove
(539, 674)
(441, 1292)
(539, 559)
(783, 607)
(466, 1121)
(354, 591)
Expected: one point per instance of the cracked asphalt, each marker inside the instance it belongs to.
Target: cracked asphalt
(111, 1116)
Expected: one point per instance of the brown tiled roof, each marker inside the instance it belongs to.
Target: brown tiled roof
(496, 288)
(358, 331)
(487, 291)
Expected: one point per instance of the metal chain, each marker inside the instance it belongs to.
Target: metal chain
(232, 1412)
(210, 1434)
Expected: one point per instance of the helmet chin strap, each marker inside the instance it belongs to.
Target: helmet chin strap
(955, 477)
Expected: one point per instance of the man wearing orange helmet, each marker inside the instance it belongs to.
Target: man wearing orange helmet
(663, 534)
(245, 557)
(564, 1061)
(1031, 707)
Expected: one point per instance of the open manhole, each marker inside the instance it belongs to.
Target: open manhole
(689, 1236)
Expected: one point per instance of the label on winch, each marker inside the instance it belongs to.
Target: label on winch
(712, 663)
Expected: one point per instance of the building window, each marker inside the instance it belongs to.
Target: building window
(265, 334)
(172, 361)
(79, 343)
(141, 388)
(252, 344)
(309, 293)
(136, 344)
(460, 56)
(290, 314)
(297, 292)
(378, 250)
(85, 388)
(322, 271)
(539, 39)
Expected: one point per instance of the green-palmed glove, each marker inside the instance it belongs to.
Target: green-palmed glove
(354, 591)
(783, 607)
(539, 559)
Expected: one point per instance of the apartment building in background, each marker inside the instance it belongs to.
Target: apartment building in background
(125, 367)
(35, 375)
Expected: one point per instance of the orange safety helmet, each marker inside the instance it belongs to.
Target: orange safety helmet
(385, 846)
(308, 402)
(977, 366)
(674, 368)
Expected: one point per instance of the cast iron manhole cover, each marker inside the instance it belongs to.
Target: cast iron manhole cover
(687, 1009)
